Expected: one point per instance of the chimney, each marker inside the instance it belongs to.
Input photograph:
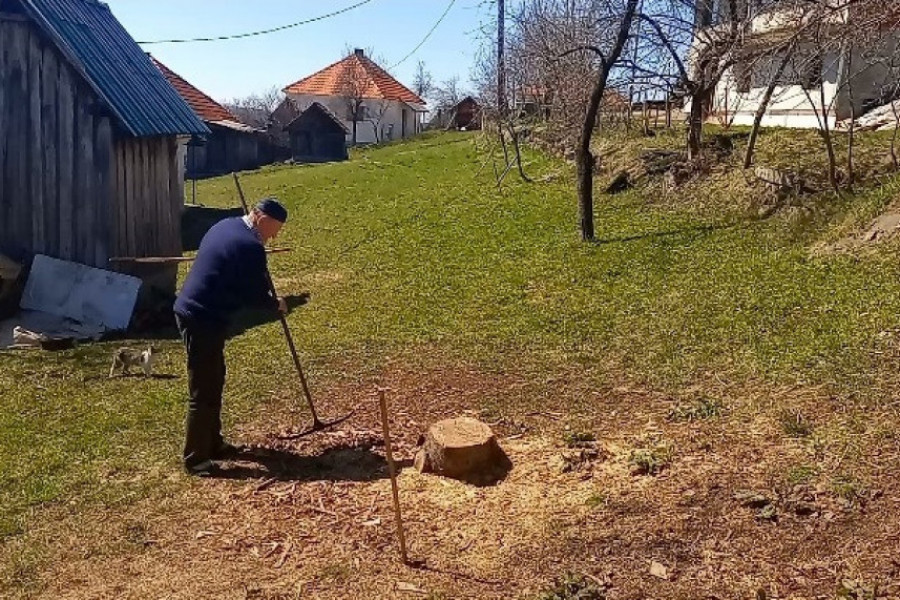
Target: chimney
(359, 52)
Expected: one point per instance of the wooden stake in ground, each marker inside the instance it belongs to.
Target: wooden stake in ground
(390, 460)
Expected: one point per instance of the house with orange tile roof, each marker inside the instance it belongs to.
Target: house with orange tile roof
(368, 100)
(231, 145)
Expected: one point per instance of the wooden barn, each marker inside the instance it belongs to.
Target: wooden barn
(89, 138)
(231, 146)
(318, 135)
(466, 115)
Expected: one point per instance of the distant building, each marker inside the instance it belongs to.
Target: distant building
(231, 145)
(283, 115)
(386, 109)
(466, 114)
(91, 165)
(317, 135)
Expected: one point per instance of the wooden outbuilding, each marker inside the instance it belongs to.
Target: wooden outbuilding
(232, 144)
(466, 115)
(90, 160)
(318, 135)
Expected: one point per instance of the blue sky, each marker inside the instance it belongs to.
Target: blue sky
(228, 69)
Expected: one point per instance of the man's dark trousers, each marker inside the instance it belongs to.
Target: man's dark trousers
(205, 345)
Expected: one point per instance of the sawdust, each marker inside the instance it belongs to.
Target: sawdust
(314, 519)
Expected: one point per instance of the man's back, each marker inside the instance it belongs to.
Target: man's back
(228, 274)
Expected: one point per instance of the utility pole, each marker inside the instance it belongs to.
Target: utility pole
(501, 59)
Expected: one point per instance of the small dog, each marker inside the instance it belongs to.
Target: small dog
(127, 357)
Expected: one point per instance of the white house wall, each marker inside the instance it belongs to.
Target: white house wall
(790, 106)
(390, 126)
(873, 77)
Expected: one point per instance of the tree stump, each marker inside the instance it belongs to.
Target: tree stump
(464, 449)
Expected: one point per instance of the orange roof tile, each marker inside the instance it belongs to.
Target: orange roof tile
(205, 107)
(358, 73)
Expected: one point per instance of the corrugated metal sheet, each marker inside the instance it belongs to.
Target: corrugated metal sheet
(144, 103)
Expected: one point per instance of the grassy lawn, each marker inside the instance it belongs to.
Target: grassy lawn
(411, 254)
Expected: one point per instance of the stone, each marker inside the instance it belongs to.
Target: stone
(659, 570)
(465, 449)
(751, 499)
(619, 183)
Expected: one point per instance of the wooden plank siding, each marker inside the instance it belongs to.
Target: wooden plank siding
(84, 190)
(4, 138)
(73, 184)
(149, 192)
(50, 151)
(35, 167)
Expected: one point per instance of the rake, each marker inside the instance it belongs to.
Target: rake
(318, 424)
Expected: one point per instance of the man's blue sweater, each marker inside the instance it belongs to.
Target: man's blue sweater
(229, 273)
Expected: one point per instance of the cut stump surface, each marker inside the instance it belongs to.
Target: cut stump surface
(464, 449)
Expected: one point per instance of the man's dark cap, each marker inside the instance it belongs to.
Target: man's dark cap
(273, 208)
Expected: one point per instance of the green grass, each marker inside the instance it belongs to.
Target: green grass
(407, 253)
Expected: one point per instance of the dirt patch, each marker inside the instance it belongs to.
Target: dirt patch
(884, 228)
(313, 518)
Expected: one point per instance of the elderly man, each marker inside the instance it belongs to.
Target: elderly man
(229, 273)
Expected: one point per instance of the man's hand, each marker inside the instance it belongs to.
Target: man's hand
(282, 306)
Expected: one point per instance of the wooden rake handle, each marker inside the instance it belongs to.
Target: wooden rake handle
(317, 424)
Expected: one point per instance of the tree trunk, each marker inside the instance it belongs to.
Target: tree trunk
(584, 158)
(896, 114)
(851, 133)
(354, 132)
(585, 174)
(825, 132)
(695, 123)
(764, 106)
(514, 135)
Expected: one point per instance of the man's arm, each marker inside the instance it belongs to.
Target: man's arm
(258, 289)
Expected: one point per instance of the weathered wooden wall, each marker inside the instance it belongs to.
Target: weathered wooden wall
(71, 184)
(149, 197)
(55, 185)
(225, 151)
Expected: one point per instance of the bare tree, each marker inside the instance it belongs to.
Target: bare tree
(256, 109)
(423, 83)
(607, 59)
(355, 87)
(448, 93)
(774, 80)
(376, 111)
(851, 47)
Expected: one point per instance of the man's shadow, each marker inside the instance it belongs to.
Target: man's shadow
(344, 463)
(250, 318)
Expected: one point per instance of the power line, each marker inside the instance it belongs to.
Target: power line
(264, 31)
(424, 39)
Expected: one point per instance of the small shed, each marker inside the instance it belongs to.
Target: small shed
(232, 146)
(90, 166)
(318, 135)
(466, 114)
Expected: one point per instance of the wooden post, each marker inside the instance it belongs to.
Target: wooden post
(390, 460)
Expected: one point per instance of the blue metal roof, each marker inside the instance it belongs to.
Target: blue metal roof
(97, 45)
